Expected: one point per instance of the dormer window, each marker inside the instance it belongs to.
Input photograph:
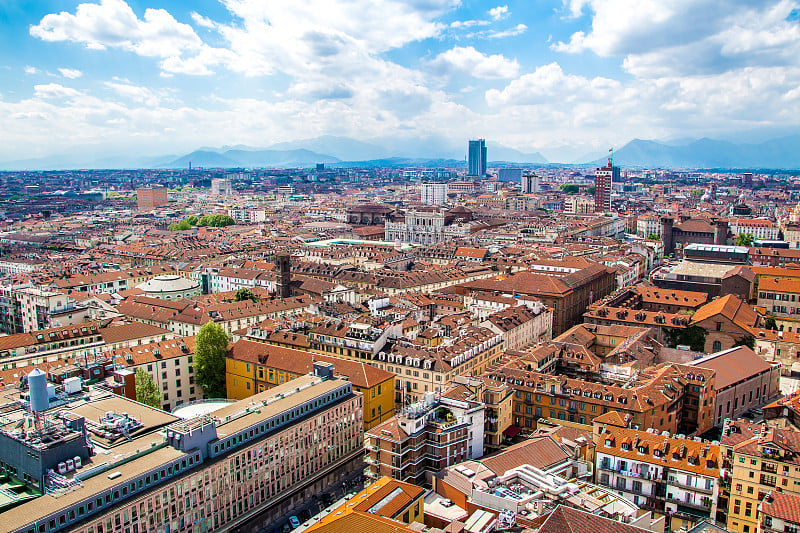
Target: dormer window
(657, 453)
(608, 443)
(609, 398)
(641, 449)
(625, 446)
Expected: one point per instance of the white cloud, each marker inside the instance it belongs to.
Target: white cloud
(458, 24)
(31, 70)
(499, 12)
(519, 29)
(113, 24)
(54, 90)
(468, 60)
(689, 37)
(70, 73)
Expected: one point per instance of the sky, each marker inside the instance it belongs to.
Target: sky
(563, 77)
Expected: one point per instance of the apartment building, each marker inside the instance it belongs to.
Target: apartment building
(425, 438)
(171, 365)
(760, 229)
(779, 513)
(759, 460)
(240, 469)
(669, 475)
(521, 325)
(668, 397)
(253, 367)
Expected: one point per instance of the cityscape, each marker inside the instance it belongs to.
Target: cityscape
(400, 267)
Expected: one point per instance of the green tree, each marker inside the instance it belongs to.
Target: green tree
(193, 220)
(747, 340)
(570, 188)
(179, 226)
(771, 323)
(146, 389)
(692, 336)
(653, 237)
(744, 239)
(245, 294)
(211, 346)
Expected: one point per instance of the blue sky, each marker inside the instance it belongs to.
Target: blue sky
(564, 77)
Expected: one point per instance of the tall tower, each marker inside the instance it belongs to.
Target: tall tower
(603, 178)
(477, 158)
(284, 264)
(530, 183)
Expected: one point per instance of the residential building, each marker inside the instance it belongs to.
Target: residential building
(727, 322)
(253, 367)
(530, 183)
(759, 460)
(148, 198)
(647, 225)
(248, 215)
(433, 193)
(44, 308)
(779, 512)
(760, 229)
(424, 438)
(521, 325)
(221, 187)
(431, 226)
(669, 475)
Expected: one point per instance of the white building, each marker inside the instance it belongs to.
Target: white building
(247, 215)
(221, 187)
(530, 183)
(647, 225)
(42, 308)
(433, 193)
(431, 226)
(672, 476)
(760, 229)
(170, 287)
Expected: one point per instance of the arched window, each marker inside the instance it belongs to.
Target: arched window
(717, 346)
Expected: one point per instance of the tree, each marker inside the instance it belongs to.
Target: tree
(179, 226)
(245, 294)
(747, 340)
(692, 336)
(146, 389)
(192, 220)
(570, 188)
(653, 237)
(211, 346)
(771, 323)
(744, 239)
(216, 221)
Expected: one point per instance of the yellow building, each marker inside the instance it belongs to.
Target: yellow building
(759, 461)
(253, 367)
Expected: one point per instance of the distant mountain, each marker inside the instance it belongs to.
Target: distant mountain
(498, 152)
(343, 148)
(251, 158)
(778, 153)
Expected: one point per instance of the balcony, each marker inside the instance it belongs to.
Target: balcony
(371, 448)
(702, 506)
(704, 490)
(369, 460)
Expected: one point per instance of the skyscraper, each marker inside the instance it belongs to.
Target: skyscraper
(603, 179)
(477, 158)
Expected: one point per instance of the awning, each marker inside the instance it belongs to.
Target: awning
(511, 431)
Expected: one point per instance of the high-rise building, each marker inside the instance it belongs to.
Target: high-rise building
(433, 193)
(509, 174)
(221, 187)
(477, 158)
(603, 181)
(148, 198)
(747, 180)
(530, 183)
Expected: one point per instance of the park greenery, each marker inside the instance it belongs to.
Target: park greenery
(212, 221)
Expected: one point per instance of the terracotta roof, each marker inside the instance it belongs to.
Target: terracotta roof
(569, 520)
(298, 362)
(733, 365)
(134, 330)
(542, 453)
(780, 505)
(732, 308)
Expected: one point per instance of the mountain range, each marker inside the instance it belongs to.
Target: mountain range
(777, 153)
(780, 153)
